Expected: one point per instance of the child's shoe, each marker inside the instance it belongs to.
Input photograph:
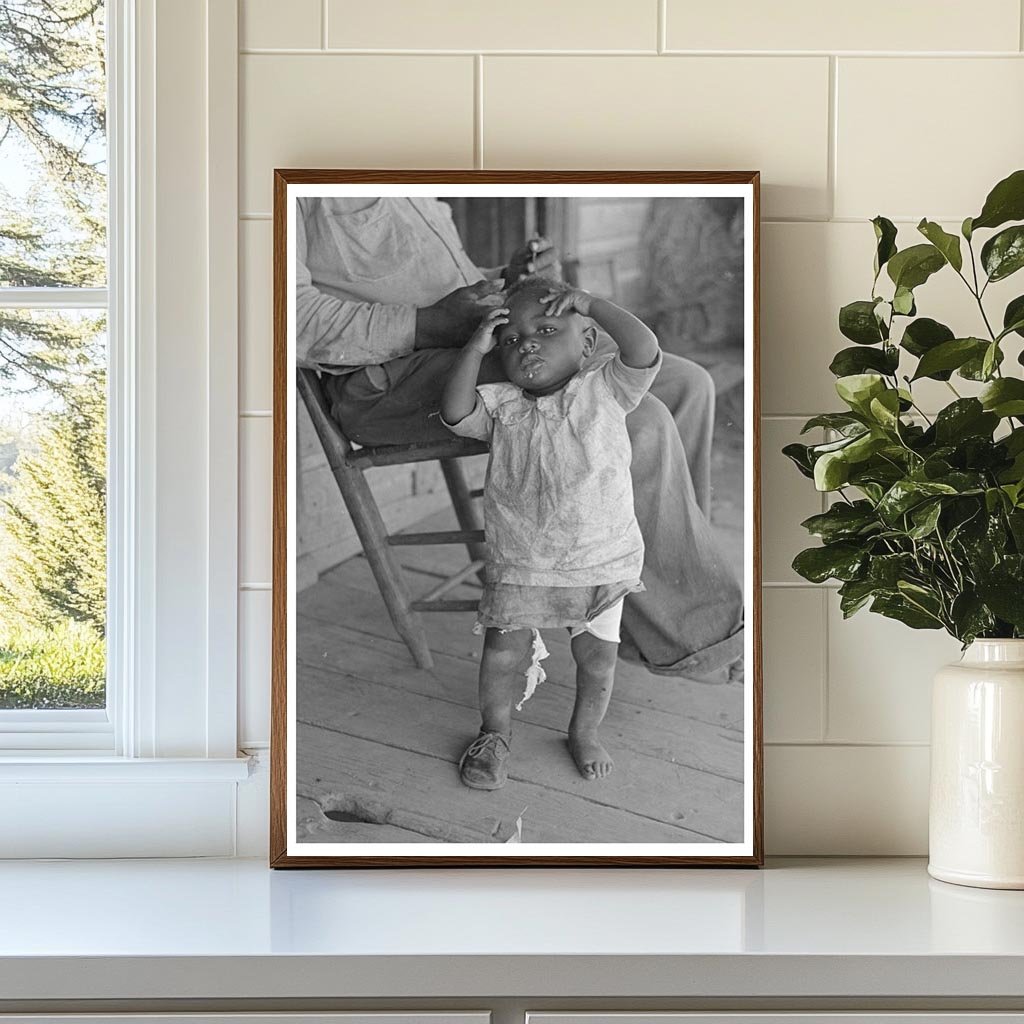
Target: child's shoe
(484, 765)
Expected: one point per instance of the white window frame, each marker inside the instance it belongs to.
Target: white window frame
(169, 736)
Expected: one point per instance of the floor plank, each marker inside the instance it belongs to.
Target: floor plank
(413, 791)
(650, 786)
(683, 739)
(451, 635)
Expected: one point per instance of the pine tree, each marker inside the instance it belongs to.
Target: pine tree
(52, 542)
(52, 117)
(53, 234)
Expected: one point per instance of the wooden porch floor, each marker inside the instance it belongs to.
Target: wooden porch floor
(378, 740)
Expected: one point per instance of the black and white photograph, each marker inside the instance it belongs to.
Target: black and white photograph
(515, 558)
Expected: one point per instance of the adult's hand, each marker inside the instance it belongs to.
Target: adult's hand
(452, 319)
(537, 255)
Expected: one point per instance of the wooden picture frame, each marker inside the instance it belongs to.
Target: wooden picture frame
(357, 699)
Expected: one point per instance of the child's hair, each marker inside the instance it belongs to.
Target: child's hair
(534, 282)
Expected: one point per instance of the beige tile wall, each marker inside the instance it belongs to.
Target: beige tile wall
(909, 109)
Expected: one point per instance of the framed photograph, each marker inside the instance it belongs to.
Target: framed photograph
(516, 615)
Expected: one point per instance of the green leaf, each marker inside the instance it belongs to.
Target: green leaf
(849, 361)
(1004, 397)
(1005, 202)
(1006, 599)
(974, 368)
(858, 389)
(912, 267)
(817, 450)
(903, 302)
(800, 456)
(925, 518)
(865, 446)
(857, 321)
(843, 521)
(966, 417)
(831, 471)
(947, 244)
(965, 229)
(950, 355)
(990, 360)
(854, 594)
(1013, 318)
(1003, 254)
(925, 334)
(899, 608)
(840, 561)
(906, 494)
(887, 570)
(885, 236)
(971, 617)
(885, 409)
(964, 482)
(841, 421)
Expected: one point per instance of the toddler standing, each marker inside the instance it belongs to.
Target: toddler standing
(564, 547)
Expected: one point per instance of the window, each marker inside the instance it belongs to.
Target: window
(168, 291)
(53, 371)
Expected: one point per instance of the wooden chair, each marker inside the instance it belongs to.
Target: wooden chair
(347, 465)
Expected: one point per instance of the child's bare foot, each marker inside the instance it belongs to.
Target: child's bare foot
(593, 761)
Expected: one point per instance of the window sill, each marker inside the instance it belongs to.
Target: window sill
(79, 806)
(75, 766)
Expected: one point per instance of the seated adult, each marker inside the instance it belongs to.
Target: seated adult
(385, 295)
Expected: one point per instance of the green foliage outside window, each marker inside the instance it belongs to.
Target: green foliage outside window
(52, 365)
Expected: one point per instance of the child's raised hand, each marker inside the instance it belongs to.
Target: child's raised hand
(483, 339)
(566, 300)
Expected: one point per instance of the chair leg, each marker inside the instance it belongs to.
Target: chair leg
(465, 511)
(366, 518)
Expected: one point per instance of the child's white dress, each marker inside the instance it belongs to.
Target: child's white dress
(562, 539)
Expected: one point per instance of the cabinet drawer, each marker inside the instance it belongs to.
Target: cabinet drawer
(361, 1017)
(853, 1017)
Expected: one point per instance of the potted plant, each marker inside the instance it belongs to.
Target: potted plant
(926, 524)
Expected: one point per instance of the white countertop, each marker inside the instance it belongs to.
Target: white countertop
(233, 928)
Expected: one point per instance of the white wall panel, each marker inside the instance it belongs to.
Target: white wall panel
(876, 25)
(682, 113)
(261, 25)
(846, 800)
(471, 25)
(794, 663)
(256, 300)
(351, 111)
(969, 110)
(255, 510)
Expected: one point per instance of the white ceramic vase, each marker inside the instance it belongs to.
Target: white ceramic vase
(976, 814)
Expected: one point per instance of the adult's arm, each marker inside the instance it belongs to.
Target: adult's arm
(332, 332)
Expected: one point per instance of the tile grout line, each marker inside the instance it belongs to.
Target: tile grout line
(865, 220)
(831, 170)
(828, 586)
(478, 111)
(258, 51)
(662, 42)
(1020, 25)
(323, 24)
(852, 744)
(824, 723)
(826, 690)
